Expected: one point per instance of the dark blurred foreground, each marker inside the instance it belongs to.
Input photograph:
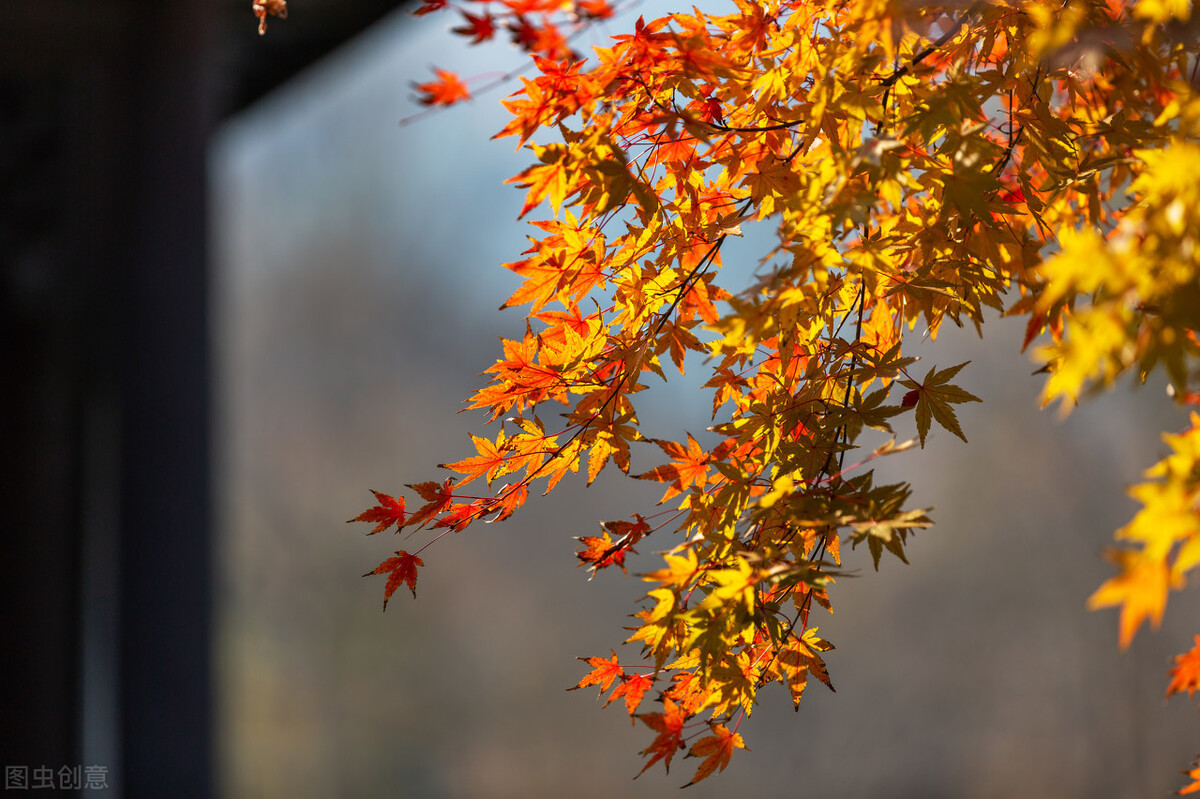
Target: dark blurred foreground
(106, 110)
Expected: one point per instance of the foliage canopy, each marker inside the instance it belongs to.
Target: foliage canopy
(916, 163)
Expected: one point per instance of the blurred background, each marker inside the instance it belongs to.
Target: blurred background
(239, 294)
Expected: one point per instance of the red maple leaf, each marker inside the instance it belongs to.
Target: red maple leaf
(401, 569)
(446, 90)
(669, 726)
(1014, 195)
(478, 28)
(389, 511)
(429, 6)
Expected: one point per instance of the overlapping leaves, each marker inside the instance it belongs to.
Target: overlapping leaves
(915, 164)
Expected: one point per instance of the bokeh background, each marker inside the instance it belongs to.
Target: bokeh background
(359, 272)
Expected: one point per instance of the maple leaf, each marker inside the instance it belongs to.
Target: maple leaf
(275, 8)
(429, 6)
(633, 687)
(604, 672)
(1140, 589)
(680, 571)
(480, 29)
(545, 39)
(602, 552)
(716, 749)
(400, 569)
(933, 398)
(1185, 674)
(540, 286)
(690, 467)
(438, 498)
(458, 516)
(1194, 776)
(687, 692)
(669, 726)
(550, 179)
(879, 329)
(491, 462)
(510, 499)
(599, 552)
(389, 511)
(594, 9)
(446, 90)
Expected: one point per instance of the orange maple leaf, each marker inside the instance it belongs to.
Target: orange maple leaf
(1194, 776)
(459, 516)
(490, 462)
(540, 286)
(1185, 674)
(510, 499)
(716, 750)
(601, 552)
(437, 499)
(879, 330)
(540, 180)
(276, 8)
(401, 569)
(633, 687)
(690, 467)
(446, 90)
(604, 672)
(686, 689)
(389, 511)
(669, 726)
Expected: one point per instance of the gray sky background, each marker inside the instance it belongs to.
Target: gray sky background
(358, 280)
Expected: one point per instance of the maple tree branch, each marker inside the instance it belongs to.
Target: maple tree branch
(489, 506)
(938, 44)
(758, 518)
(746, 129)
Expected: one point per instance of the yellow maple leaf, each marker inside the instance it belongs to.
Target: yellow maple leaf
(1140, 589)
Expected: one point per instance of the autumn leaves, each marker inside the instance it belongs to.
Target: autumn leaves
(915, 165)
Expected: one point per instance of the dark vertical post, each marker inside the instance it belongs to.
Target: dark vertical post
(166, 548)
(106, 547)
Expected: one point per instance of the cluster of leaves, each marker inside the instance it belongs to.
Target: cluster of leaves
(915, 163)
(541, 28)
